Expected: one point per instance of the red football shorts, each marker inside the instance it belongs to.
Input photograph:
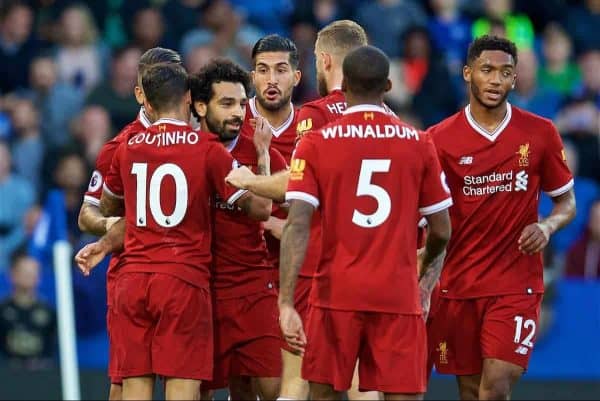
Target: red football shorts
(301, 293)
(163, 326)
(113, 362)
(247, 338)
(391, 350)
(467, 331)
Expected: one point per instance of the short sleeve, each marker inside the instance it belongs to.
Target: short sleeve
(434, 195)
(103, 162)
(309, 118)
(555, 177)
(219, 164)
(303, 183)
(113, 183)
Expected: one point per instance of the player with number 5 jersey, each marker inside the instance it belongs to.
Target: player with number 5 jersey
(371, 176)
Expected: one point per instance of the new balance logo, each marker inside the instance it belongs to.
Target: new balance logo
(466, 160)
(521, 181)
(521, 350)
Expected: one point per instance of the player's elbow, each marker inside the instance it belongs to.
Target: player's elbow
(81, 219)
(439, 227)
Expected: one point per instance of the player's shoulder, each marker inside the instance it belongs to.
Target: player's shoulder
(531, 121)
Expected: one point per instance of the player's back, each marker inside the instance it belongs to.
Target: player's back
(167, 174)
(369, 171)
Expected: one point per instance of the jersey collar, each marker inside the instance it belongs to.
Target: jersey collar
(170, 121)
(490, 136)
(364, 107)
(233, 144)
(276, 131)
(144, 118)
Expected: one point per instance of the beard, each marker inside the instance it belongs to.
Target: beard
(321, 85)
(487, 104)
(220, 128)
(276, 105)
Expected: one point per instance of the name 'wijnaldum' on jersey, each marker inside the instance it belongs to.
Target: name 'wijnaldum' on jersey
(370, 131)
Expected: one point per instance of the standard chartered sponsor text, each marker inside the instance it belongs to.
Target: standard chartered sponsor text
(480, 185)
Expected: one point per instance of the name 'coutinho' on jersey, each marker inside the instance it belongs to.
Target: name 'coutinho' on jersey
(370, 131)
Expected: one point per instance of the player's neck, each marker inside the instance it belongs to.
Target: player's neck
(488, 118)
(354, 100)
(335, 81)
(276, 118)
(173, 114)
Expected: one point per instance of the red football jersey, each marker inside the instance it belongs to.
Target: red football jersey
(168, 175)
(370, 175)
(313, 116)
(241, 263)
(94, 190)
(284, 138)
(495, 180)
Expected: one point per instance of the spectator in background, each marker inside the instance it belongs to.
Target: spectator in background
(116, 93)
(28, 146)
(318, 13)
(528, 94)
(79, 56)
(451, 34)
(182, 16)
(270, 16)
(586, 192)
(92, 129)
(518, 27)
(583, 25)
(148, 29)
(57, 102)
(427, 78)
(579, 122)
(27, 324)
(17, 197)
(558, 71)
(387, 20)
(583, 260)
(17, 47)
(589, 63)
(198, 56)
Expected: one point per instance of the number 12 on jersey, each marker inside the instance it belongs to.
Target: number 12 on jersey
(151, 195)
(366, 188)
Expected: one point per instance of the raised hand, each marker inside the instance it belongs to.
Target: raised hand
(262, 133)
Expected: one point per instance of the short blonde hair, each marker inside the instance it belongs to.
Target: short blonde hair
(340, 37)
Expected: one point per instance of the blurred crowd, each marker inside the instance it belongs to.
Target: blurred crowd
(68, 68)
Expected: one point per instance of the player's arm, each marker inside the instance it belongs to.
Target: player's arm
(90, 255)
(438, 235)
(91, 221)
(272, 187)
(111, 204)
(535, 237)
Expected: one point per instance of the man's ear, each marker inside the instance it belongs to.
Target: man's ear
(201, 108)
(388, 85)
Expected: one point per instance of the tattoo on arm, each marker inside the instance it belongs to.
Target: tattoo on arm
(114, 239)
(264, 162)
(111, 206)
(294, 242)
(91, 220)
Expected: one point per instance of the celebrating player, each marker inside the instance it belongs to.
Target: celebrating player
(497, 158)
(371, 176)
(166, 174)
(247, 355)
(90, 218)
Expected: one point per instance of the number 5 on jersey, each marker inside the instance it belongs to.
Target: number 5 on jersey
(143, 194)
(366, 188)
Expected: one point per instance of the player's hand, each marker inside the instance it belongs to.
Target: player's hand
(291, 327)
(262, 133)
(109, 222)
(534, 238)
(239, 177)
(89, 256)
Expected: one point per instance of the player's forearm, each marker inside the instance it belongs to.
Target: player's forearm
(294, 242)
(111, 206)
(272, 187)
(263, 166)
(438, 235)
(91, 220)
(114, 238)
(563, 212)
(431, 272)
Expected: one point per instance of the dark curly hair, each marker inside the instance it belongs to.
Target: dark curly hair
(218, 70)
(487, 42)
